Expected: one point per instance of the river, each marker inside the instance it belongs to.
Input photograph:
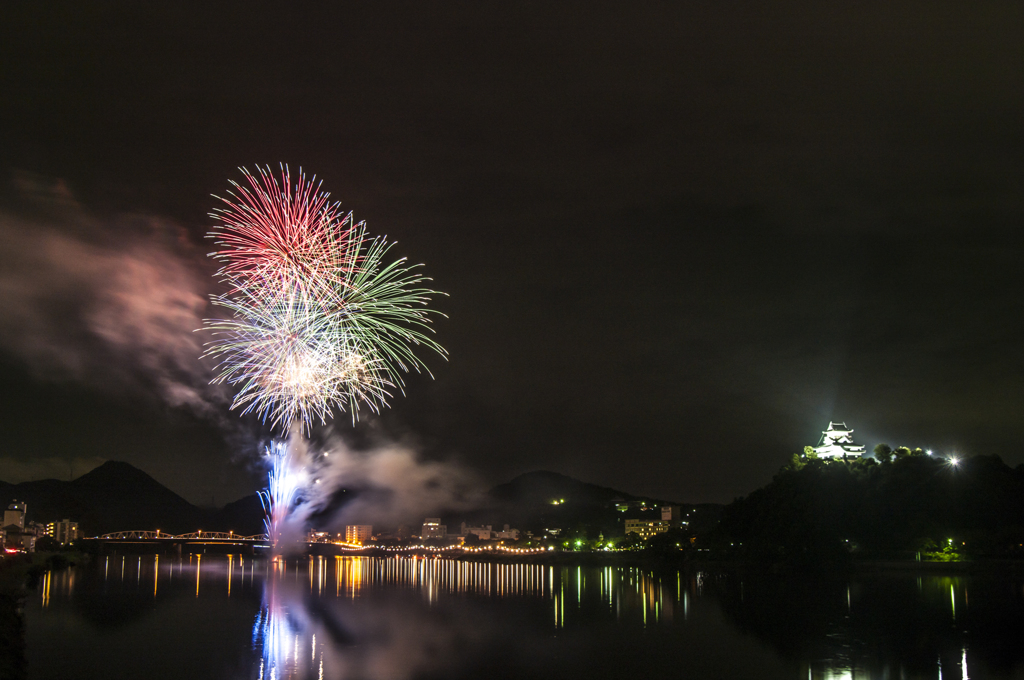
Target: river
(226, 617)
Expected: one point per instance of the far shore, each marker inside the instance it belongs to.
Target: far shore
(638, 558)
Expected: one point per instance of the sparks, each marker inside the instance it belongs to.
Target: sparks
(319, 320)
(281, 492)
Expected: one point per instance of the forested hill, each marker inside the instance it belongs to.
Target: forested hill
(917, 503)
(119, 497)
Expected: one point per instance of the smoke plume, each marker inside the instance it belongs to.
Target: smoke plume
(112, 305)
(388, 484)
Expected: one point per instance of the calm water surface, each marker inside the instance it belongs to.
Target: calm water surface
(232, 617)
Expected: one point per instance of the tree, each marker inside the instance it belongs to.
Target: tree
(631, 541)
(47, 544)
(883, 453)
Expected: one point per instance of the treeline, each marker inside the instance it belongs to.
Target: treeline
(910, 503)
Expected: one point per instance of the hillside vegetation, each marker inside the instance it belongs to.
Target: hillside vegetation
(916, 503)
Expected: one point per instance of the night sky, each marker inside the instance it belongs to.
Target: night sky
(678, 238)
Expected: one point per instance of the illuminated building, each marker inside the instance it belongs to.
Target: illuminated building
(358, 533)
(318, 536)
(507, 534)
(647, 527)
(15, 515)
(670, 514)
(16, 538)
(483, 533)
(64, 531)
(837, 442)
(432, 528)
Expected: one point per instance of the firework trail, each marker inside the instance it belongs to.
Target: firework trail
(319, 320)
(281, 493)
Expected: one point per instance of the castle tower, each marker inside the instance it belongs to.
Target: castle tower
(837, 442)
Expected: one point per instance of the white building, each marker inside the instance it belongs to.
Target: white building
(14, 515)
(16, 535)
(507, 534)
(483, 533)
(647, 527)
(63, 532)
(432, 528)
(837, 442)
(358, 533)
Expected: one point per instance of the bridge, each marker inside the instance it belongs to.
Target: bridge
(226, 539)
(137, 539)
(195, 536)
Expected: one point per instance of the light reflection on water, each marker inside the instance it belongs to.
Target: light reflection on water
(286, 625)
(401, 617)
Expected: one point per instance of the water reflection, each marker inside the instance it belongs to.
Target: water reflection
(304, 601)
(404, 617)
(885, 625)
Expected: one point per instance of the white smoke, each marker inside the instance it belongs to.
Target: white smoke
(113, 305)
(389, 484)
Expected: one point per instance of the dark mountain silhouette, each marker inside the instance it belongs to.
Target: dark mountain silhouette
(117, 496)
(541, 487)
(113, 497)
(541, 500)
(244, 516)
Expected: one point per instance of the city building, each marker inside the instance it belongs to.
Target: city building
(507, 534)
(647, 527)
(313, 536)
(837, 442)
(483, 533)
(64, 531)
(671, 514)
(358, 533)
(15, 515)
(432, 528)
(16, 537)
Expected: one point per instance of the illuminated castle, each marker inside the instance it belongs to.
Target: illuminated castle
(837, 442)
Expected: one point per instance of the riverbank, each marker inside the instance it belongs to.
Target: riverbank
(642, 559)
(19, 573)
(14, 570)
